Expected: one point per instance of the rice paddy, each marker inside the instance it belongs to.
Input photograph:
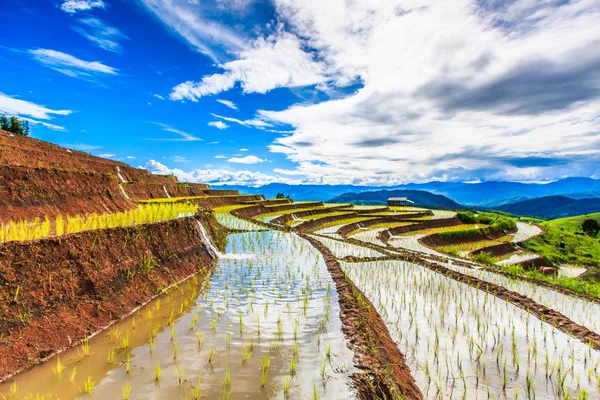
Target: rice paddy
(143, 214)
(266, 324)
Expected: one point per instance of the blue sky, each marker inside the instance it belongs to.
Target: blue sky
(363, 92)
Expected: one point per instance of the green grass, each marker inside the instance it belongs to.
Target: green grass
(572, 224)
(586, 286)
(579, 250)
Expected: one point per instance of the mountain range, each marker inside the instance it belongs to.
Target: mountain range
(483, 194)
(419, 197)
(551, 207)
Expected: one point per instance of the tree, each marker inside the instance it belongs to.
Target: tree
(26, 128)
(15, 126)
(591, 227)
(4, 124)
(279, 196)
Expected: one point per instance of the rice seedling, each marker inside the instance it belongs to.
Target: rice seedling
(88, 385)
(125, 341)
(59, 368)
(126, 391)
(157, 372)
(85, 348)
(128, 364)
(111, 358)
(72, 375)
(287, 383)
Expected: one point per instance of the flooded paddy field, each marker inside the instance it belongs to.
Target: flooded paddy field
(461, 342)
(264, 325)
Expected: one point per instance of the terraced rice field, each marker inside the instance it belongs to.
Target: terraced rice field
(270, 323)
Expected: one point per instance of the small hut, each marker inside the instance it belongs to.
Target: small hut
(399, 201)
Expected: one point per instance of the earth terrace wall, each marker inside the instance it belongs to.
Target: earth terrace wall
(497, 250)
(385, 235)
(70, 287)
(478, 235)
(253, 211)
(27, 193)
(314, 224)
(346, 230)
(282, 220)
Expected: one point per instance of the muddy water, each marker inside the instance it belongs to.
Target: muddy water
(288, 308)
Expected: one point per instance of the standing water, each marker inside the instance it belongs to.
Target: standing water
(266, 326)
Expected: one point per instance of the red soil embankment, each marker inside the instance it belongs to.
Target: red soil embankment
(384, 236)
(497, 250)
(386, 374)
(71, 286)
(27, 193)
(316, 224)
(478, 235)
(348, 229)
(281, 220)
(253, 211)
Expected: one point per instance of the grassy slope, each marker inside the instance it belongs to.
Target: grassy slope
(580, 250)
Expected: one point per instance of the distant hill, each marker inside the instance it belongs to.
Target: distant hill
(551, 207)
(419, 197)
(484, 194)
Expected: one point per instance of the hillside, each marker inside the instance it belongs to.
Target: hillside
(40, 179)
(419, 197)
(578, 249)
(551, 207)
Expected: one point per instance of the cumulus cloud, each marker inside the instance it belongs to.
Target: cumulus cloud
(100, 34)
(417, 90)
(30, 111)
(217, 176)
(218, 124)
(70, 65)
(274, 61)
(228, 103)
(450, 91)
(74, 6)
(246, 160)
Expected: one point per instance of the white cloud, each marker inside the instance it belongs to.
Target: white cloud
(106, 155)
(220, 156)
(30, 111)
(213, 142)
(130, 157)
(244, 149)
(100, 34)
(249, 123)
(228, 103)
(180, 159)
(218, 124)
(274, 61)
(414, 90)
(217, 176)
(158, 96)
(73, 6)
(184, 136)
(246, 160)
(450, 91)
(70, 65)
(191, 21)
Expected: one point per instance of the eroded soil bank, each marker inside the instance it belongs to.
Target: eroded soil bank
(55, 292)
